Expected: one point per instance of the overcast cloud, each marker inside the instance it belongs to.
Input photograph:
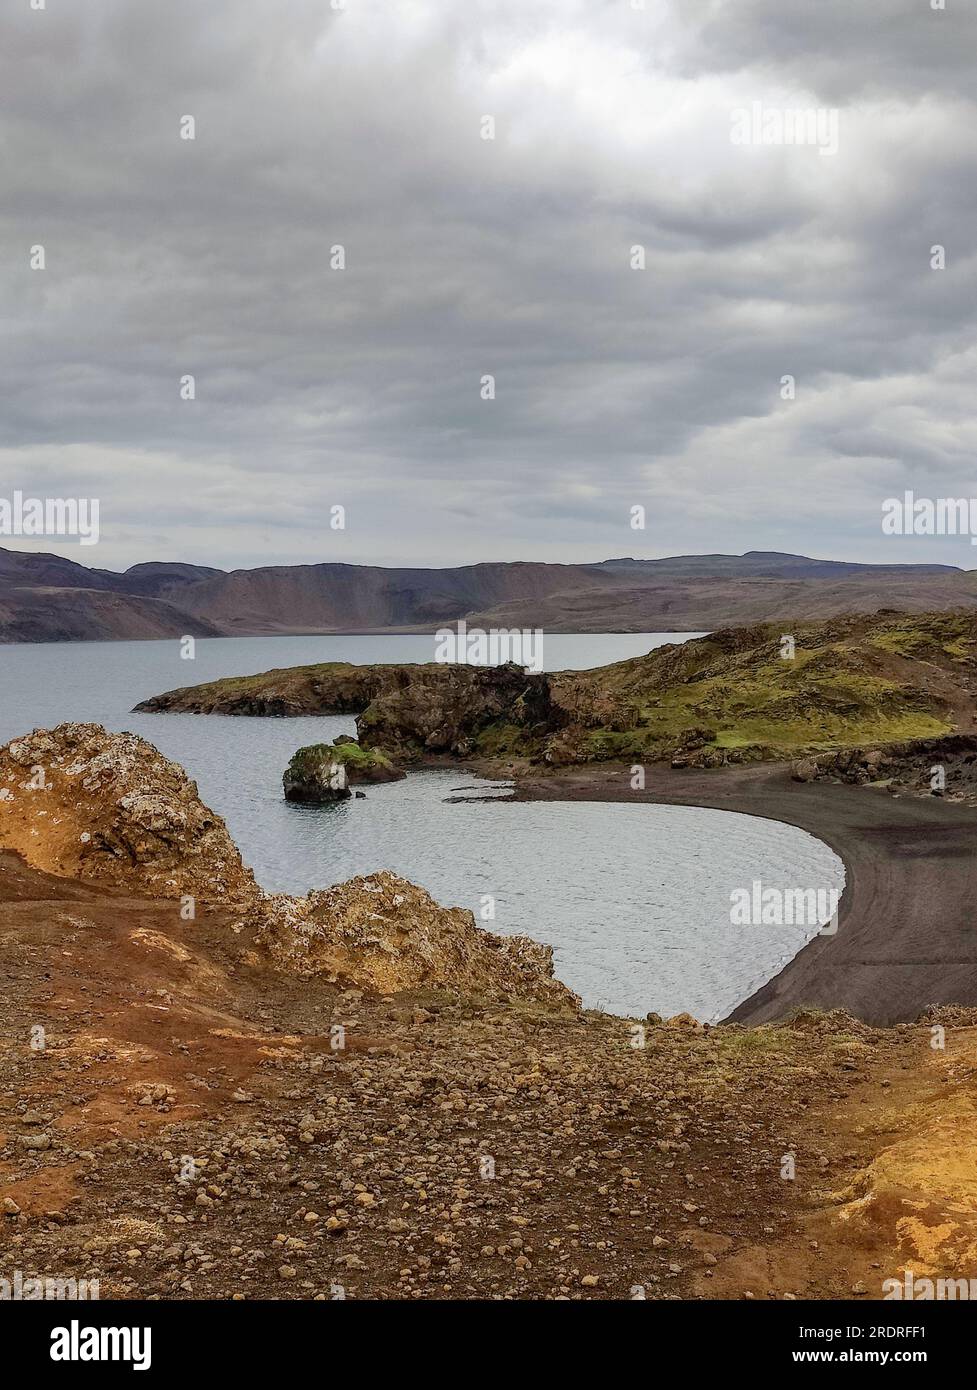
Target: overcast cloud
(361, 126)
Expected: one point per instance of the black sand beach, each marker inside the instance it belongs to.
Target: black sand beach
(907, 935)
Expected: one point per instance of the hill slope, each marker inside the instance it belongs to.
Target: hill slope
(877, 678)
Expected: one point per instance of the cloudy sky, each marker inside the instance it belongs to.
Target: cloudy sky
(362, 126)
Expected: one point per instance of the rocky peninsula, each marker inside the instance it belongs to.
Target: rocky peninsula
(739, 695)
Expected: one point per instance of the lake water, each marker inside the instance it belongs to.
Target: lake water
(634, 899)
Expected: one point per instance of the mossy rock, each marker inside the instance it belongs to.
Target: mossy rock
(324, 772)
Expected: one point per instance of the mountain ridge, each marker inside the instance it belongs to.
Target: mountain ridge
(47, 598)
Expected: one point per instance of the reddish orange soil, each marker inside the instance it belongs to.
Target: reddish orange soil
(367, 1168)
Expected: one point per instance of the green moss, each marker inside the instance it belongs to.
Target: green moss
(504, 740)
(732, 738)
(944, 635)
(764, 1040)
(349, 755)
(851, 681)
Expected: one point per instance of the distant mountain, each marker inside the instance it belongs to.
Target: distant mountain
(45, 598)
(154, 576)
(22, 568)
(762, 564)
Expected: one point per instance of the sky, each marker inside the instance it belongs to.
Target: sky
(488, 170)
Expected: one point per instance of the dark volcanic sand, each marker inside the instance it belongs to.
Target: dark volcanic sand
(907, 933)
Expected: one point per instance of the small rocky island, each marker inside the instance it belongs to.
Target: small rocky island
(325, 772)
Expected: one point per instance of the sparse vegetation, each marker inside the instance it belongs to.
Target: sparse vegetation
(851, 681)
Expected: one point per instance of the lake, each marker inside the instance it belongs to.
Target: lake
(634, 899)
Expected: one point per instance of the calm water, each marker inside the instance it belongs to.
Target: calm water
(634, 899)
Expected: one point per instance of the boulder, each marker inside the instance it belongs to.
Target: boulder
(83, 803)
(324, 772)
(685, 1022)
(694, 738)
(383, 933)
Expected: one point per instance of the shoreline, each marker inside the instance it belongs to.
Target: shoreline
(906, 937)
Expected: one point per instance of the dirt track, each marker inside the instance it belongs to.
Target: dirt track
(907, 935)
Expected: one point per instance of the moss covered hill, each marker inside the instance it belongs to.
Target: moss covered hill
(727, 697)
(734, 694)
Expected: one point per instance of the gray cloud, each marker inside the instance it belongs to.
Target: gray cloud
(360, 126)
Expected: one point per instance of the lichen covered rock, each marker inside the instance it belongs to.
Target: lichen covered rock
(80, 802)
(389, 935)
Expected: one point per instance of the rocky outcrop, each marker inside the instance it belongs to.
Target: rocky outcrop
(458, 710)
(79, 802)
(932, 766)
(334, 687)
(389, 935)
(409, 711)
(325, 772)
